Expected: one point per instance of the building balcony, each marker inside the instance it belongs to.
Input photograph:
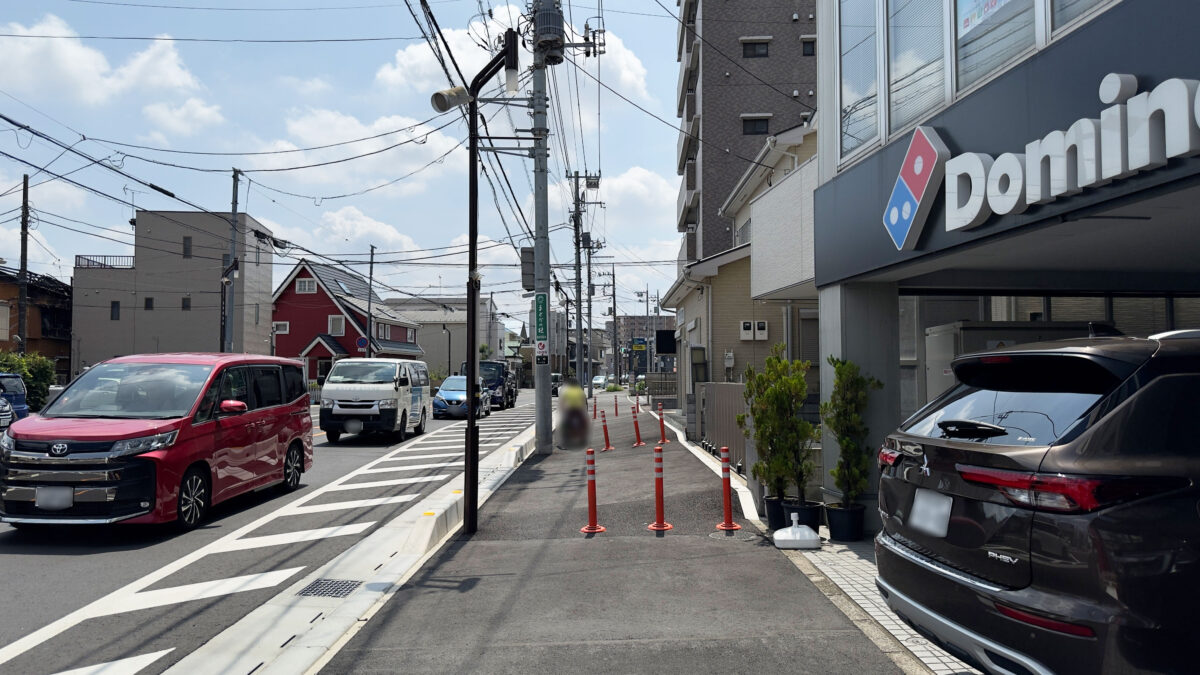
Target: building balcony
(121, 262)
(689, 143)
(689, 78)
(689, 106)
(687, 205)
(686, 36)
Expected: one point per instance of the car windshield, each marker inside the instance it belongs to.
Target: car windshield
(456, 383)
(362, 373)
(132, 391)
(491, 371)
(12, 384)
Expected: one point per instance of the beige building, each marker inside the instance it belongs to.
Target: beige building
(166, 297)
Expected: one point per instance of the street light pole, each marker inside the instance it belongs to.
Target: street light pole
(443, 101)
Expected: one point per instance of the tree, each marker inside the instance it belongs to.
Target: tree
(36, 370)
(842, 414)
(782, 437)
(485, 351)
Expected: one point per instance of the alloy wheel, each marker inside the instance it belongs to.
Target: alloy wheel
(193, 499)
(292, 469)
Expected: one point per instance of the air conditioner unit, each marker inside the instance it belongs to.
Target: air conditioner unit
(747, 330)
(760, 330)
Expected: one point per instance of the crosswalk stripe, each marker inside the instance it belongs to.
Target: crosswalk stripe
(352, 504)
(198, 591)
(410, 457)
(386, 483)
(412, 467)
(246, 543)
(127, 666)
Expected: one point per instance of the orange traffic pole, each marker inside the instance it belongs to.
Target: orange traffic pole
(594, 401)
(616, 407)
(659, 524)
(728, 524)
(637, 431)
(662, 426)
(607, 446)
(592, 527)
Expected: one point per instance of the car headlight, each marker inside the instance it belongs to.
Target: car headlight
(439, 398)
(7, 444)
(388, 404)
(136, 446)
(327, 403)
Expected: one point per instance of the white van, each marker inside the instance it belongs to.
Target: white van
(387, 395)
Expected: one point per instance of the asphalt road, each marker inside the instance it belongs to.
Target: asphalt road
(63, 597)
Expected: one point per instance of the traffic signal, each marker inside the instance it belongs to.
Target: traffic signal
(527, 268)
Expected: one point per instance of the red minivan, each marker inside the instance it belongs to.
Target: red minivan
(157, 438)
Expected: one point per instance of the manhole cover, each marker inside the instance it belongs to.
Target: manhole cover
(734, 535)
(330, 588)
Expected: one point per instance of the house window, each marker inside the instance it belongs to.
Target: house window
(114, 310)
(187, 247)
(755, 126)
(149, 306)
(808, 47)
(383, 331)
(754, 50)
(306, 285)
(281, 327)
(186, 304)
(337, 324)
(411, 335)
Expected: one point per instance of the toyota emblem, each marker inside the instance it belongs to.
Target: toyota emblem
(59, 449)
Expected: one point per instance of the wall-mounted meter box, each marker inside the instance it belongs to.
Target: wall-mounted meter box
(760, 330)
(747, 331)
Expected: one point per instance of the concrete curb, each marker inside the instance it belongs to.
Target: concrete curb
(300, 634)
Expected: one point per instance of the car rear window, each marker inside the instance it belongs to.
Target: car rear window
(1035, 400)
(12, 385)
(267, 390)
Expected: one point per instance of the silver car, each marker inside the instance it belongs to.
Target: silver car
(6, 413)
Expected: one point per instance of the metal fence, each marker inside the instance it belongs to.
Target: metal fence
(105, 261)
(719, 404)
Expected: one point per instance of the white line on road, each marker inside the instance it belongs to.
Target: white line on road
(387, 483)
(441, 455)
(352, 504)
(296, 537)
(412, 467)
(127, 666)
(197, 591)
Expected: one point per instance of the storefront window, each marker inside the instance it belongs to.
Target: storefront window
(990, 33)
(1140, 316)
(1066, 11)
(859, 82)
(1076, 309)
(915, 54)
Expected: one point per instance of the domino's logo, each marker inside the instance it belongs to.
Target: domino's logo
(916, 188)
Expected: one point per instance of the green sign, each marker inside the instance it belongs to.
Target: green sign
(541, 306)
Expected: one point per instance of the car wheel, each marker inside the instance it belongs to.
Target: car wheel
(334, 437)
(487, 411)
(293, 466)
(194, 499)
(402, 433)
(421, 426)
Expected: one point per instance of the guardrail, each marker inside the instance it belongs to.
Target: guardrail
(105, 261)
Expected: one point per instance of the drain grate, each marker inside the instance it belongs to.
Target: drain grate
(330, 588)
(735, 535)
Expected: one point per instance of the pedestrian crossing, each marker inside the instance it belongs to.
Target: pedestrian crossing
(269, 552)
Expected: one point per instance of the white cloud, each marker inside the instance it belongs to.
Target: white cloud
(309, 87)
(185, 119)
(54, 195)
(69, 67)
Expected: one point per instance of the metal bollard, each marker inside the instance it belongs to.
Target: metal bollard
(659, 524)
(728, 524)
(592, 527)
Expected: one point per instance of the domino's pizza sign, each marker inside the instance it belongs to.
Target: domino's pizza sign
(916, 188)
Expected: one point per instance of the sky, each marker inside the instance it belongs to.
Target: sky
(179, 94)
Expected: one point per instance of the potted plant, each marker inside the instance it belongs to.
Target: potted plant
(842, 414)
(784, 439)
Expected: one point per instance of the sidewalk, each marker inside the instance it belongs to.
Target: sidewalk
(529, 593)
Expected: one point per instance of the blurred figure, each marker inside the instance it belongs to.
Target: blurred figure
(574, 422)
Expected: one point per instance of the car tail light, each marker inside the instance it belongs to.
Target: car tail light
(996, 359)
(1062, 493)
(889, 453)
(1044, 621)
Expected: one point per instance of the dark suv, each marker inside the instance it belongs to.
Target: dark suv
(1043, 515)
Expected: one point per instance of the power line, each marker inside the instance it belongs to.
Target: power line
(114, 3)
(165, 38)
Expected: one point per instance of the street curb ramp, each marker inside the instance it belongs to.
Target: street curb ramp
(292, 633)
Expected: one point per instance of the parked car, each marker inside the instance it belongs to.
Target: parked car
(495, 377)
(556, 380)
(12, 388)
(7, 416)
(451, 398)
(598, 382)
(157, 438)
(1040, 516)
(382, 395)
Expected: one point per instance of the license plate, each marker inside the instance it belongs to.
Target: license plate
(354, 426)
(931, 512)
(55, 498)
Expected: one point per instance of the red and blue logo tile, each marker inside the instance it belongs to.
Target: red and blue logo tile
(916, 188)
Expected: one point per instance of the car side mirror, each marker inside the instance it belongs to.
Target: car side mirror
(434, 391)
(232, 407)
(321, 381)
(402, 381)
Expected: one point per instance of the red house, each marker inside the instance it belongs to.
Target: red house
(319, 315)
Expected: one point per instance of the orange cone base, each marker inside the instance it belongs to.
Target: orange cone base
(588, 529)
(660, 527)
(728, 526)
(639, 444)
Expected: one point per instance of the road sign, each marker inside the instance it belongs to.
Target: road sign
(639, 348)
(541, 305)
(361, 342)
(542, 352)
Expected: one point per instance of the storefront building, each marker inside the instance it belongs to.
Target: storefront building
(996, 172)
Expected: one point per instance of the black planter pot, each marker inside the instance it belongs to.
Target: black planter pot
(775, 517)
(845, 523)
(809, 512)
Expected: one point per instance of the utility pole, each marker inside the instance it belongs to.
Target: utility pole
(616, 346)
(590, 245)
(23, 285)
(227, 315)
(541, 240)
(370, 293)
(576, 217)
(657, 308)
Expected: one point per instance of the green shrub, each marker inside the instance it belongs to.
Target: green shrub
(842, 414)
(36, 370)
(784, 440)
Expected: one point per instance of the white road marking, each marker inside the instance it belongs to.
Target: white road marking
(353, 504)
(127, 666)
(436, 456)
(296, 537)
(197, 591)
(387, 483)
(412, 467)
